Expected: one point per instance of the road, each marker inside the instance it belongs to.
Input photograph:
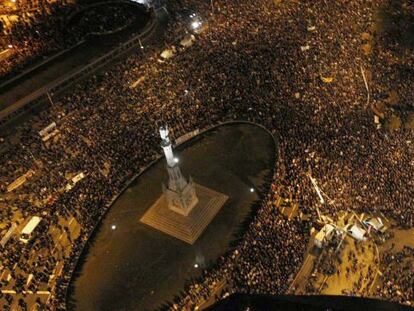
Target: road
(26, 86)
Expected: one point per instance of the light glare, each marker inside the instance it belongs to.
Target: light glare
(195, 24)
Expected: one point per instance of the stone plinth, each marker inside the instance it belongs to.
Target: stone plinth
(186, 228)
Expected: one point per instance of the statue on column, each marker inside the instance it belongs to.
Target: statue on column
(181, 195)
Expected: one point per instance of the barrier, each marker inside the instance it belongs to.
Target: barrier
(186, 137)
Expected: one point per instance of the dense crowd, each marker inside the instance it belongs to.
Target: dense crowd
(39, 34)
(398, 276)
(32, 36)
(294, 67)
(103, 19)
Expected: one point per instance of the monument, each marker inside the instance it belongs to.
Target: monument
(181, 195)
(185, 208)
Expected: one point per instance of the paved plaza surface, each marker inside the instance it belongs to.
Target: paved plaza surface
(133, 266)
(357, 268)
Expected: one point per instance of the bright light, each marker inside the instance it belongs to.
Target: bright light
(251, 189)
(14, 1)
(195, 24)
(176, 160)
(113, 227)
(195, 265)
(10, 46)
(141, 1)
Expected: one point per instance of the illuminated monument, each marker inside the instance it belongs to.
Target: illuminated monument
(185, 208)
(181, 195)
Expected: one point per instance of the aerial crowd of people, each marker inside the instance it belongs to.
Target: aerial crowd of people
(37, 34)
(297, 68)
(31, 37)
(103, 19)
(398, 276)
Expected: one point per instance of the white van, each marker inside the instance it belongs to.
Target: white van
(28, 230)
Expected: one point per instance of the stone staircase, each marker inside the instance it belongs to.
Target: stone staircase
(186, 228)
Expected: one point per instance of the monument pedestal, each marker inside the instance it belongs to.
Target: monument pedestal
(186, 228)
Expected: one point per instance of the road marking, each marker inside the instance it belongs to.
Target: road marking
(60, 269)
(323, 283)
(373, 281)
(72, 219)
(8, 291)
(378, 271)
(48, 298)
(43, 292)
